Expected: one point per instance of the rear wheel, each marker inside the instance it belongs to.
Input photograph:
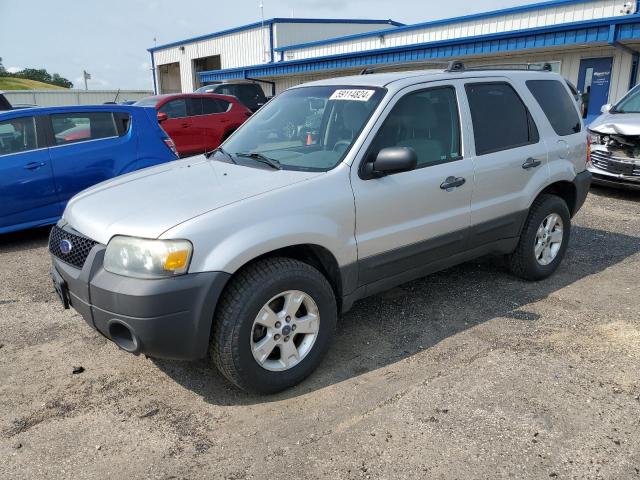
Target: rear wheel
(544, 239)
(273, 325)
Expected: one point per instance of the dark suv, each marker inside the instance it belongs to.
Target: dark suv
(249, 94)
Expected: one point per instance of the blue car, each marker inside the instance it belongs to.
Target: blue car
(47, 155)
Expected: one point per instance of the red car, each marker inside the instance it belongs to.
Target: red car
(197, 123)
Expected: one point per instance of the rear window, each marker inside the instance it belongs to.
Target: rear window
(148, 102)
(501, 120)
(80, 127)
(557, 105)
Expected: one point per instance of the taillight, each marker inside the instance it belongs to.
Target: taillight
(172, 146)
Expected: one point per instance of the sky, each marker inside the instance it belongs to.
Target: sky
(109, 38)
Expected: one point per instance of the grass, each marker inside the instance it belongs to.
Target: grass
(11, 83)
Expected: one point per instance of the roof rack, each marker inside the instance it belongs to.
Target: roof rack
(459, 66)
(452, 66)
(536, 67)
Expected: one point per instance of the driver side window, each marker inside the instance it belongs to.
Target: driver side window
(426, 121)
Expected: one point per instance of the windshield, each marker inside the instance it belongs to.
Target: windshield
(630, 103)
(307, 128)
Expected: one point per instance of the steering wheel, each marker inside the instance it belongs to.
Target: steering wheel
(341, 145)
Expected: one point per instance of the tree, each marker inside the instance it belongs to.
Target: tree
(61, 81)
(38, 74)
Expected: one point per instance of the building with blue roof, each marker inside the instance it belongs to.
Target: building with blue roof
(593, 43)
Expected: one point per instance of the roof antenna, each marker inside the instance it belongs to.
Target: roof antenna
(264, 48)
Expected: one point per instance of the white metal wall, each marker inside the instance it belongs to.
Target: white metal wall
(588, 10)
(569, 67)
(54, 98)
(251, 46)
(236, 49)
(292, 33)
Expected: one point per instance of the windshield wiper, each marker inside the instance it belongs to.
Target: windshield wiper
(222, 151)
(258, 157)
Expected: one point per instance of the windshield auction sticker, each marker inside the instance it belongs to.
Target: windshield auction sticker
(352, 94)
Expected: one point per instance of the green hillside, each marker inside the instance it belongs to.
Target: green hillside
(12, 83)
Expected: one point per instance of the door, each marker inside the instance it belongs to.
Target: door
(594, 80)
(179, 126)
(510, 160)
(408, 220)
(213, 122)
(27, 192)
(87, 148)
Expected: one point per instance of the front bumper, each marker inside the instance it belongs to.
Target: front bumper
(601, 177)
(164, 318)
(614, 170)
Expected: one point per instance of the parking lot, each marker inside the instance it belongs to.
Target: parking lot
(469, 373)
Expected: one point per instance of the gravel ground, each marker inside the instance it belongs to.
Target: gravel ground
(469, 373)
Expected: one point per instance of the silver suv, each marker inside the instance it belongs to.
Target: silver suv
(252, 252)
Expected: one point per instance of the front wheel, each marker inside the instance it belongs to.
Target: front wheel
(274, 324)
(544, 239)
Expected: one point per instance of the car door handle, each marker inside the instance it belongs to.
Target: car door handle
(531, 163)
(184, 125)
(452, 182)
(34, 165)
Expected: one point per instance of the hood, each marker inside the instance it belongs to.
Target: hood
(617, 124)
(151, 201)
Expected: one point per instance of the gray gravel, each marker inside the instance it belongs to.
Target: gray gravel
(469, 373)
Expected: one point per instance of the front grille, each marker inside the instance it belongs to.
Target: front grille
(80, 246)
(605, 161)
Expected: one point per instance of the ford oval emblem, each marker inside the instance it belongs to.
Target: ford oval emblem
(65, 246)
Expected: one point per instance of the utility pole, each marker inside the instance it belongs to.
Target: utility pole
(87, 76)
(264, 48)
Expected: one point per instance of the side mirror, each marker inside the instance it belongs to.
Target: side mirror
(606, 108)
(392, 160)
(162, 117)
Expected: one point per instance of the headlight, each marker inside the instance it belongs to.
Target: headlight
(144, 258)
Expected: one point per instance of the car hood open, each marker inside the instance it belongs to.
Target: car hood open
(627, 124)
(151, 201)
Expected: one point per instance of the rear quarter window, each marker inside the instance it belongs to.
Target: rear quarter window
(557, 105)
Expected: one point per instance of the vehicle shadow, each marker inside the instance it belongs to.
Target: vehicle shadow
(389, 327)
(615, 193)
(25, 239)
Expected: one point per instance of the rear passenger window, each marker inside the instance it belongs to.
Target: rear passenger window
(175, 108)
(82, 126)
(224, 105)
(210, 106)
(17, 135)
(426, 121)
(557, 105)
(500, 119)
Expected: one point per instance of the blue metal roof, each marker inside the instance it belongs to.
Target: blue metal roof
(576, 33)
(271, 21)
(416, 26)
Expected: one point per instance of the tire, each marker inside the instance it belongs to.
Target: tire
(524, 261)
(270, 282)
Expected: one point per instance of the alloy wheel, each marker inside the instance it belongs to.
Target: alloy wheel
(285, 330)
(548, 239)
